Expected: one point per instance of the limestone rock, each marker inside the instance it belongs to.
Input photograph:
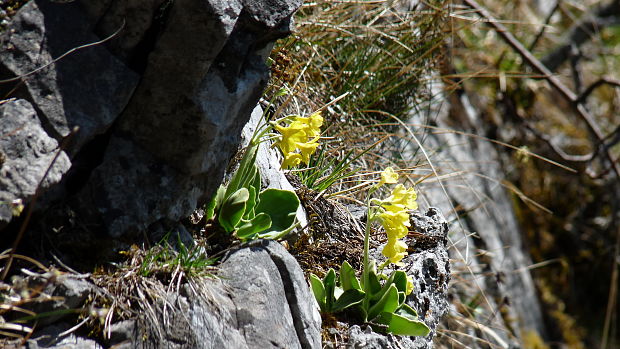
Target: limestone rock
(184, 121)
(260, 300)
(71, 341)
(26, 152)
(87, 88)
(263, 276)
(367, 339)
(160, 104)
(429, 266)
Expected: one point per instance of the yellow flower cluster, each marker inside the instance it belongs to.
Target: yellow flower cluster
(395, 217)
(303, 135)
(388, 176)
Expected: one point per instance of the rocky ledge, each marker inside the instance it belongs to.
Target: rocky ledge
(259, 298)
(123, 114)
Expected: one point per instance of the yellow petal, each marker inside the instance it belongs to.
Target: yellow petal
(290, 137)
(316, 121)
(394, 250)
(403, 197)
(409, 285)
(291, 160)
(388, 176)
(395, 223)
(307, 149)
(311, 125)
(301, 122)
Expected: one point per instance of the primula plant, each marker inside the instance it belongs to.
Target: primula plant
(241, 207)
(378, 298)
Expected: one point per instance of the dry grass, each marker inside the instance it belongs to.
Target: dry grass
(374, 55)
(144, 286)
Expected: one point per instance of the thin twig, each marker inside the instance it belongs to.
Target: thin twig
(542, 30)
(64, 55)
(598, 83)
(614, 136)
(73, 329)
(569, 95)
(575, 56)
(557, 150)
(583, 31)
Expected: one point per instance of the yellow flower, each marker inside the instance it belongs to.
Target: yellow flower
(291, 160)
(394, 217)
(311, 124)
(291, 135)
(409, 285)
(17, 207)
(394, 250)
(307, 149)
(316, 121)
(388, 176)
(395, 222)
(404, 197)
(301, 135)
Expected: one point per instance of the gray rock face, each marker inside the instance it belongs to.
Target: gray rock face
(261, 300)
(68, 342)
(177, 79)
(59, 295)
(88, 88)
(367, 339)
(202, 79)
(429, 266)
(26, 152)
(262, 276)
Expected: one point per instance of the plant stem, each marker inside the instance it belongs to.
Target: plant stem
(366, 248)
(383, 265)
(366, 266)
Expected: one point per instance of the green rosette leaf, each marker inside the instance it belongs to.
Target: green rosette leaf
(250, 229)
(348, 298)
(388, 303)
(403, 325)
(233, 209)
(348, 280)
(318, 289)
(281, 206)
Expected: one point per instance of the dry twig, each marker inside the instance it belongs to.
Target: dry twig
(564, 91)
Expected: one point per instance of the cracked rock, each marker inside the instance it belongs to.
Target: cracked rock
(263, 277)
(259, 300)
(26, 152)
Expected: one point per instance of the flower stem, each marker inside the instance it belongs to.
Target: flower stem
(383, 265)
(366, 266)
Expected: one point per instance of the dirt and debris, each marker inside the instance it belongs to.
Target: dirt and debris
(333, 235)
